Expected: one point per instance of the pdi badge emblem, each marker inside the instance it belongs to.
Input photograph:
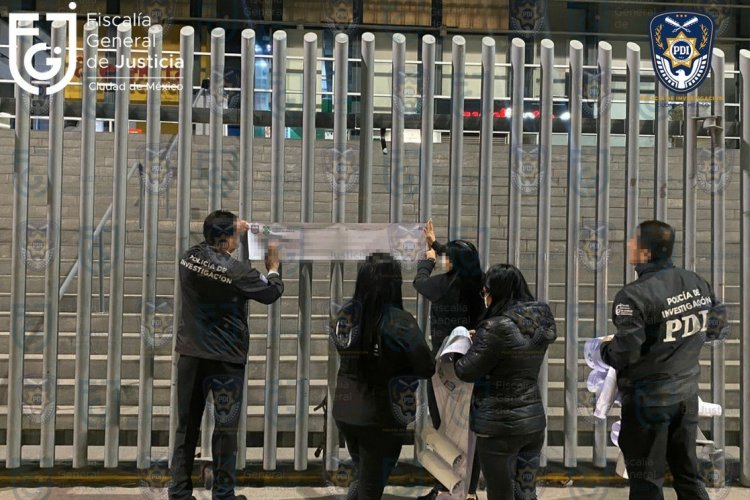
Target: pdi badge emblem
(681, 48)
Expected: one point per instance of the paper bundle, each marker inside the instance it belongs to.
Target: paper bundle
(443, 472)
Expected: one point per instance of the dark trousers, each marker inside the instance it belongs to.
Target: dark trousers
(375, 454)
(510, 464)
(652, 437)
(195, 378)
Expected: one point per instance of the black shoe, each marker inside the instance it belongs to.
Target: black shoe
(431, 495)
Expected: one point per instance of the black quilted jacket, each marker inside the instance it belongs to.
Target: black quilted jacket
(503, 363)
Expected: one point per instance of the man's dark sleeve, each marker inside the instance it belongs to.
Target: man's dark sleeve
(625, 347)
(251, 284)
(425, 285)
(481, 357)
(717, 326)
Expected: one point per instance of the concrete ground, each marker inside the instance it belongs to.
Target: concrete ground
(392, 493)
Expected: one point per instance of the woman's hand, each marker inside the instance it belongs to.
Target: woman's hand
(472, 333)
(429, 233)
(431, 255)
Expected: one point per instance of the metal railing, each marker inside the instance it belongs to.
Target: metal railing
(487, 125)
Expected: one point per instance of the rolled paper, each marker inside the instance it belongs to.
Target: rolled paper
(595, 380)
(441, 470)
(708, 409)
(607, 395)
(443, 447)
(615, 434)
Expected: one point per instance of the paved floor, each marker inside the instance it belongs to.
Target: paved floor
(392, 493)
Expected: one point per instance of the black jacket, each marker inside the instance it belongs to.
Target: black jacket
(446, 310)
(215, 290)
(384, 397)
(662, 320)
(503, 363)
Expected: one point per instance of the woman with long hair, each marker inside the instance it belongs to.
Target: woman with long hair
(454, 301)
(383, 354)
(503, 362)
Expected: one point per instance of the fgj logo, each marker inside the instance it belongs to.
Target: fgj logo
(681, 47)
(55, 61)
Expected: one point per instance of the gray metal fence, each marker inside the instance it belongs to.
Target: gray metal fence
(489, 126)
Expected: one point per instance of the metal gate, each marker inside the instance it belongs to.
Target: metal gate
(490, 123)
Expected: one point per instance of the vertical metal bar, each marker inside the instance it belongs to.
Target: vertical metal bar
(365, 131)
(340, 79)
(544, 201)
(745, 273)
(117, 258)
(278, 107)
(148, 289)
(216, 119)
(398, 77)
(85, 248)
(182, 223)
(458, 75)
(632, 138)
(718, 239)
(247, 97)
(17, 331)
(485, 150)
(661, 176)
(310, 77)
(100, 244)
(517, 55)
(688, 213)
(602, 222)
(52, 274)
(425, 199)
(571, 266)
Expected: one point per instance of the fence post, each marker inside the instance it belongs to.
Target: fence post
(745, 273)
(458, 75)
(544, 201)
(85, 249)
(571, 266)
(302, 405)
(340, 80)
(117, 258)
(517, 51)
(216, 120)
(17, 331)
(365, 132)
(397, 128)
(150, 235)
(718, 240)
(661, 176)
(485, 150)
(602, 223)
(52, 274)
(278, 108)
(182, 223)
(632, 137)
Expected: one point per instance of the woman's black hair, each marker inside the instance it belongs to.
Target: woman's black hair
(466, 272)
(378, 287)
(506, 284)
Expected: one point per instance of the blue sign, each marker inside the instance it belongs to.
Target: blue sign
(681, 48)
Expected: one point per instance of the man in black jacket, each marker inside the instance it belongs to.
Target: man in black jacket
(662, 319)
(212, 341)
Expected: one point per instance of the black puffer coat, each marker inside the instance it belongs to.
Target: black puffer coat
(503, 362)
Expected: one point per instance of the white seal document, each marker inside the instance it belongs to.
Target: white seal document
(447, 453)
